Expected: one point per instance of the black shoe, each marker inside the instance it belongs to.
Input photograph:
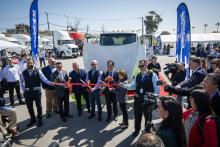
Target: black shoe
(12, 105)
(48, 115)
(39, 123)
(122, 124)
(99, 118)
(21, 102)
(68, 115)
(56, 111)
(32, 122)
(108, 119)
(91, 116)
(135, 133)
(64, 119)
(80, 114)
(115, 118)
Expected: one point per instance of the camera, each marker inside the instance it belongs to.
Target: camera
(159, 82)
(170, 68)
(150, 101)
(149, 104)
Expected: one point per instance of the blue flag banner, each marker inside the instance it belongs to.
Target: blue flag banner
(34, 30)
(183, 41)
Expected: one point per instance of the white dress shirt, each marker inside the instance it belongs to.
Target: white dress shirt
(12, 73)
(23, 65)
(132, 85)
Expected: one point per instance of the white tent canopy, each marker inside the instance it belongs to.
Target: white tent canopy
(7, 44)
(208, 37)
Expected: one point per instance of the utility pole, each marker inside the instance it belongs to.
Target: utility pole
(67, 22)
(142, 29)
(48, 24)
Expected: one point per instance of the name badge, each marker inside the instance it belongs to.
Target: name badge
(141, 90)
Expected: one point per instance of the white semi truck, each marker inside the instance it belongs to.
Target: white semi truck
(24, 40)
(64, 45)
(15, 50)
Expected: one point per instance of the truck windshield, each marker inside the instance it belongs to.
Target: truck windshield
(117, 39)
(67, 41)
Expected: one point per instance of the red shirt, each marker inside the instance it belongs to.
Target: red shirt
(209, 138)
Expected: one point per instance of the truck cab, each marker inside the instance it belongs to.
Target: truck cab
(65, 46)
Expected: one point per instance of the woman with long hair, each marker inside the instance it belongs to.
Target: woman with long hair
(200, 129)
(171, 130)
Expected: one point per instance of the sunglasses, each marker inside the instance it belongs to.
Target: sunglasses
(213, 62)
(141, 66)
(59, 66)
(93, 64)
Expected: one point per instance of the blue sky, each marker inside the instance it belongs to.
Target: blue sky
(127, 12)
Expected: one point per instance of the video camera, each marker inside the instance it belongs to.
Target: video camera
(149, 104)
(170, 68)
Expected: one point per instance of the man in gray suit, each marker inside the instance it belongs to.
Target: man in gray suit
(62, 90)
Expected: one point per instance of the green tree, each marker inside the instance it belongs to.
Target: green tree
(22, 28)
(152, 22)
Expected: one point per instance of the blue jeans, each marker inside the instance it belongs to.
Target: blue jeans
(95, 99)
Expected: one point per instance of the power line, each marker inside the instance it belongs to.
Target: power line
(11, 19)
(94, 19)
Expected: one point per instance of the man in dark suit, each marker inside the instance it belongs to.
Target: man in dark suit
(62, 90)
(51, 99)
(111, 77)
(210, 84)
(78, 75)
(197, 76)
(93, 77)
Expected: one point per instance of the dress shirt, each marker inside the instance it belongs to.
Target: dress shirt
(12, 73)
(23, 65)
(132, 85)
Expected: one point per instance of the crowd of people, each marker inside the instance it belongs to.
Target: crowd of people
(197, 126)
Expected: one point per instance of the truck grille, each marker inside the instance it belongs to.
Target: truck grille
(75, 50)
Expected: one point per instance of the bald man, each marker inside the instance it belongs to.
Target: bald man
(51, 99)
(78, 75)
(94, 76)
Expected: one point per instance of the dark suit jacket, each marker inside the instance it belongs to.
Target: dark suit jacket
(47, 73)
(215, 103)
(76, 79)
(115, 79)
(60, 90)
(196, 78)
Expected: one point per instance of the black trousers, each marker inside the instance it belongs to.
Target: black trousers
(42, 60)
(30, 97)
(110, 99)
(1, 91)
(11, 87)
(63, 103)
(139, 110)
(124, 112)
(85, 95)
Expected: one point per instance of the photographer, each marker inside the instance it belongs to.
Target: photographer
(154, 66)
(145, 81)
(180, 74)
(171, 68)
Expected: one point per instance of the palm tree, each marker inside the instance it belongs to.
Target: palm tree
(205, 25)
(217, 25)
